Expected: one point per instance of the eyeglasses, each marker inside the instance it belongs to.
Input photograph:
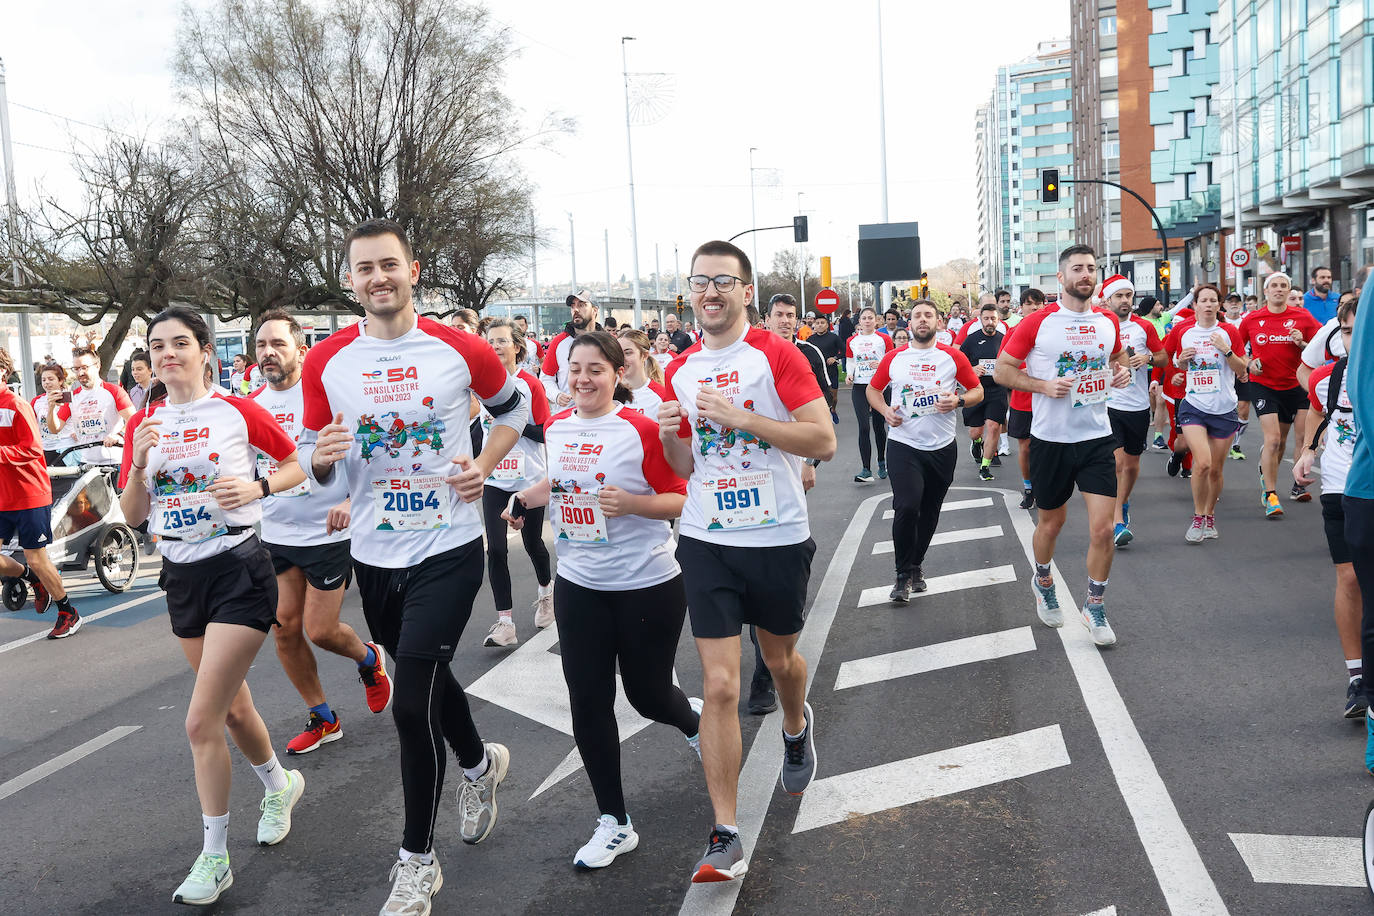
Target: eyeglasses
(501, 342)
(697, 283)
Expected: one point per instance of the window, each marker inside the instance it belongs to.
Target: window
(1188, 58)
(1107, 25)
(1106, 67)
(1013, 131)
(1110, 108)
(1113, 149)
(1016, 236)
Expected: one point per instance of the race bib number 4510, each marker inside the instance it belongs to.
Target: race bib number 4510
(417, 503)
(1092, 387)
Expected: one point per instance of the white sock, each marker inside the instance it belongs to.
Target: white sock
(272, 775)
(728, 827)
(546, 590)
(478, 771)
(216, 835)
(425, 857)
(1354, 667)
(504, 616)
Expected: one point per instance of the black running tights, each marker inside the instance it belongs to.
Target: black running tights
(867, 416)
(639, 629)
(494, 502)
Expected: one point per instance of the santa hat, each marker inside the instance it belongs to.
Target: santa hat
(1116, 284)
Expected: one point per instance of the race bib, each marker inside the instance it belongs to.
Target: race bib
(922, 403)
(1203, 381)
(90, 422)
(987, 365)
(580, 519)
(741, 501)
(190, 517)
(417, 503)
(867, 367)
(267, 467)
(1092, 387)
(512, 467)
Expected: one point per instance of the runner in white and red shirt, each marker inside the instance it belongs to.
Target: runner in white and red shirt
(188, 469)
(1074, 357)
(554, 374)
(1210, 354)
(1019, 408)
(310, 556)
(924, 378)
(619, 595)
(746, 409)
(1129, 408)
(1276, 334)
(663, 349)
(522, 466)
(391, 398)
(534, 350)
(1336, 437)
(643, 374)
(863, 352)
(98, 411)
(55, 441)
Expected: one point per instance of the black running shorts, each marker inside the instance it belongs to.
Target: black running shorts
(237, 586)
(1285, 403)
(326, 566)
(728, 587)
(1333, 521)
(1018, 423)
(1129, 429)
(32, 525)
(1056, 467)
(993, 407)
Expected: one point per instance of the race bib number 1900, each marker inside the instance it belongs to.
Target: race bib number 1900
(1092, 387)
(417, 503)
(580, 519)
(740, 501)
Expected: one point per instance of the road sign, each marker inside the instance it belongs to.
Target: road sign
(1241, 257)
(827, 300)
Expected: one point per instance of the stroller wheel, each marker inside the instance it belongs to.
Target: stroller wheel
(116, 558)
(16, 592)
(1368, 835)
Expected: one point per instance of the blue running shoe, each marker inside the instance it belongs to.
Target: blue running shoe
(1121, 535)
(1047, 607)
(1126, 513)
(1369, 744)
(882, 470)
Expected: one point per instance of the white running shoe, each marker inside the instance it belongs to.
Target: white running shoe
(543, 610)
(1195, 532)
(501, 634)
(1209, 528)
(209, 878)
(413, 886)
(695, 740)
(1094, 617)
(1047, 604)
(275, 822)
(1004, 447)
(609, 840)
(477, 797)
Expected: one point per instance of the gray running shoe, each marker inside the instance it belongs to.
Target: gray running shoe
(1047, 605)
(799, 757)
(413, 886)
(901, 590)
(477, 797)
(724, 859)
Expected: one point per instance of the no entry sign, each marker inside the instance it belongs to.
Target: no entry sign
(827, 300)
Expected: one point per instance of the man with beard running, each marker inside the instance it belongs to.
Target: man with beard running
(984, 420)
(554, 374)
(305, 532)
(1073, 356)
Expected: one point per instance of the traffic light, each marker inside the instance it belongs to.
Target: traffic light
(679, 303)
(1049, 186)
(925, 286)
(799, 233)
(1162, 267)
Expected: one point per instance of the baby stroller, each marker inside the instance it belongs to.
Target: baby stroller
(87, 525)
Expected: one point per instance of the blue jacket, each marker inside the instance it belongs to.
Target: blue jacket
(1359, 382)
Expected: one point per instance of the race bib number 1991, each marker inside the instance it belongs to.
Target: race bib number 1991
(741, 501)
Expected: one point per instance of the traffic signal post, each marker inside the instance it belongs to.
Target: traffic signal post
(1049, 193)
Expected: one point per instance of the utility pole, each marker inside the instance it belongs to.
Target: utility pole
(608, 265)
(11, 201)
(630, 161)
(801, 262)
(880, 302)
(534, 258)
(572, 250)
(1237, 240)
(753, 213)
(658, 283)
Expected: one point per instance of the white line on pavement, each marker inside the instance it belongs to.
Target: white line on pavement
(905, 782)
(1182, 876)
(85, 619)
(26, 779)
(936, 585)
(949, 537)
(983, 647)
(950, 506)
(1105, 911)
(1332, 861)
(758, 778)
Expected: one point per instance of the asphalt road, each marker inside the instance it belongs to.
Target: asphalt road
(971, 760)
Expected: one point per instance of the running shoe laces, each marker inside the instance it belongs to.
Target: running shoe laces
(1048, 595)
(795, 749)
(1098, 613)
(471, 799)
(203, 872)
(408, 878)
(273, 804)
(722, 841)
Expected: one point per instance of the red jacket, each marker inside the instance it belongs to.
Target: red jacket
(23, 473)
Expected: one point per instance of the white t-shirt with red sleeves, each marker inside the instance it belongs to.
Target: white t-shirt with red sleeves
(974, 324)
(297, 517)
(1209, 382)
(199, 442)
(917, 377)
(1056, 342)
(664, 358)
(647, 397)
(94, 415)
(554, 373)
(1341, 434)
(743, 492)
(52, 442)
(944, 337)
(1139, 335)
(863, 352)
(407, 401)
(618, 449)
(524, 463)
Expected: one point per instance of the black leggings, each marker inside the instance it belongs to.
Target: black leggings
(867, 415)
(640, 629)
(920, 480)
(494, 502)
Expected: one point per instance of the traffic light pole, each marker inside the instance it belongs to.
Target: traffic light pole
(1159, 225)
(759, 229)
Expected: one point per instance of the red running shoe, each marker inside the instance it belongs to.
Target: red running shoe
(68, 622)
(41, 599)
(376, 681)
(317, 732)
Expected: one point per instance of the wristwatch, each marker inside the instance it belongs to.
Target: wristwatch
(961, 400)
(266, 490)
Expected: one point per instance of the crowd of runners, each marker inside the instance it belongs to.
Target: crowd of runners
(672, 470)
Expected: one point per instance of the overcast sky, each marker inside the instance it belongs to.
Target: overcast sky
(797, 80)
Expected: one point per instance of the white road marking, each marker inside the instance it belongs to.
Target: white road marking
(1105, 911)
(950, 506)
(1183, 878)
(28, 778)
(904, 782)
(759, 776)
(949, 537)
(983, 647)
(953, 582)
(85, 619)
(1331, 861)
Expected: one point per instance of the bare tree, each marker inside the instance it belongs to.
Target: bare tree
(785, 277)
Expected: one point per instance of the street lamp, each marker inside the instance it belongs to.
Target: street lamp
(753, 212)
(630, 162)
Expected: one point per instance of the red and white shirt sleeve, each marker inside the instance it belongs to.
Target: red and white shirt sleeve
(297, 517)
(865, 351)
(1058, 343)
(917, 377)
(1140, 336)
